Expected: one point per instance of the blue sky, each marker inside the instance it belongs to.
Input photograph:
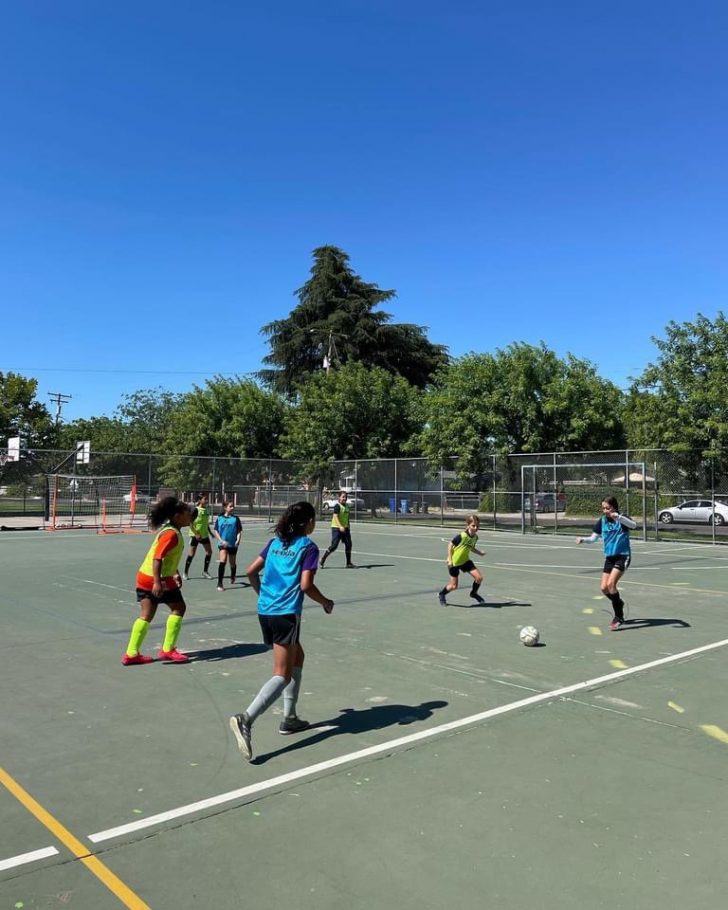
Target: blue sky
(517, 171)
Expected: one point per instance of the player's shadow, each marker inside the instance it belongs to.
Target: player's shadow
(227, 652)
(353, 721)
(645, 623)
(366, 565)
(495, 605)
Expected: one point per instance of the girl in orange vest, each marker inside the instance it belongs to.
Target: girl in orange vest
(158, 581)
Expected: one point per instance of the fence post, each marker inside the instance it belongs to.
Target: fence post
(396, 508)
(495, 504)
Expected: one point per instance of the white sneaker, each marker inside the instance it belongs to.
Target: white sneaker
(185, 577)
(220, 588)
(206, 575)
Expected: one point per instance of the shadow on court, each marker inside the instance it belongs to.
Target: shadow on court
(227, 652)
(646, 623)
(351, 721)
(368, 565)
(496, 605)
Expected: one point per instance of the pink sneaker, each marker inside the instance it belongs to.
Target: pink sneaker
(175, 656)
(129, 660)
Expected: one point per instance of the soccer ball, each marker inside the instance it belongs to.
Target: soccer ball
(529, 636)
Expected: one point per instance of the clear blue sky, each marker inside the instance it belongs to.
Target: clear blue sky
(515, 170)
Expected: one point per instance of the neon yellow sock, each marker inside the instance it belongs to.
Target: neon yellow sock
(174, 624)
(138, 634)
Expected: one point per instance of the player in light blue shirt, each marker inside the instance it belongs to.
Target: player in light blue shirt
(288, 563)
(614, 529)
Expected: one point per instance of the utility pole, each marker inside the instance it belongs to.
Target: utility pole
(60, 399)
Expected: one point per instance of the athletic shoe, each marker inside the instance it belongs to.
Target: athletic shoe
(233, 579)
(615, 624)
(241, 729)
(206, 575)
(220, 588)
(185, 577)
(175, 656)
(441, 598)
(293, 725)
(478, 599)
(128, 660)
(350, 565)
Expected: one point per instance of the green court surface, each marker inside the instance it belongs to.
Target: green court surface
(447, 765)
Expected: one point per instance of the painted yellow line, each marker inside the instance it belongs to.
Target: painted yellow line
(588, 610)
(622, 582)
(716, 732)
(671, 704)
(618, 664)
(595, 630)
(79, 850)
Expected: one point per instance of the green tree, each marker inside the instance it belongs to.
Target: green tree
(521, 399)
(21, 414)
(336, 307)
(354, 412)
(679, 402)
(228, 418)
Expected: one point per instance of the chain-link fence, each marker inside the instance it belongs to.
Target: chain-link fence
(669, 495)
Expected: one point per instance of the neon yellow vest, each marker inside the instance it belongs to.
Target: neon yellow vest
(170, 562)
(200, 527)
(461, 551)
(343, 516)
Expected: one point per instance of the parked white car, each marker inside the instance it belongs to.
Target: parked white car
(355, 502)
(697, 511)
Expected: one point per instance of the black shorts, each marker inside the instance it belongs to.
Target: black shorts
(168, 597)
(465, 567)
(194, 541)
(620, 562)
(284, 629)
(231, 550)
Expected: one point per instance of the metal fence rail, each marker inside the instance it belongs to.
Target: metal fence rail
(525, 492)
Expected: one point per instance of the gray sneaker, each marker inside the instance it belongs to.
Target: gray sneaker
(293, 725)
(206, 575)
(441, 598)
(241, 730)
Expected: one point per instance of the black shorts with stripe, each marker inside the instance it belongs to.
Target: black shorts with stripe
(280, 629)
(621, 561)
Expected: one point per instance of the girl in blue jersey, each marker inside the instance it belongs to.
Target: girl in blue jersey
(614, 530)
(290, 560)
(228, 530)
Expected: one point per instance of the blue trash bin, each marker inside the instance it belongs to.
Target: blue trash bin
(392, 504)
(404, 506)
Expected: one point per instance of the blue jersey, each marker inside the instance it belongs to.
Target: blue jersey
(280, 586)
(615, 537)
(228, 527)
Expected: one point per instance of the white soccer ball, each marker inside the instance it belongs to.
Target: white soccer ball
(529, 636)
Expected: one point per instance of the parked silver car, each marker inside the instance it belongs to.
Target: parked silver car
(697, 511)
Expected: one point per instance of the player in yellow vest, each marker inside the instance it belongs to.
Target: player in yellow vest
(200, 534)
(458, 560)
(340, 530)
(158, 581)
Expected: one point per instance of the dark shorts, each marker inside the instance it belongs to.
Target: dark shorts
(465, 567)
(231, 550)
(194, 541)
(168, 597)
(283, 629)
(616, 562)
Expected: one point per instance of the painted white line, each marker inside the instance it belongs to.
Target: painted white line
(22, 858)
(392, 745)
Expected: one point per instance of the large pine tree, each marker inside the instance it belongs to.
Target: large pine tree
(337, 313)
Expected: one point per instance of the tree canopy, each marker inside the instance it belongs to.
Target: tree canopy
(679, 402)
(521, 399)
(353, 413)
(21, 414)
(336, 305)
